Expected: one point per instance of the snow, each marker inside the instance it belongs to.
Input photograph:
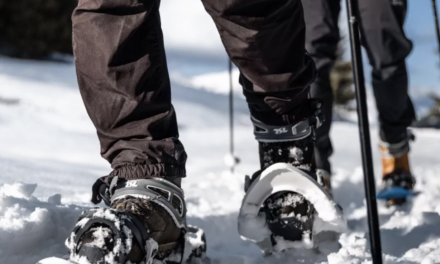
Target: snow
(100, 234)
(231, 160)
(49, 159)
(193, 240)
(31, 228)
(217, 82)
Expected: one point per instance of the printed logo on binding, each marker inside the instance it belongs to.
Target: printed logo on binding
(131, 183)
(280, 130)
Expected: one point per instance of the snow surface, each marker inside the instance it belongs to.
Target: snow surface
(48, 146)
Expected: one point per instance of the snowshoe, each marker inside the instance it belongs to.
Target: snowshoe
(147, 222)
(397, 187)
(285, 201)
(264, 219)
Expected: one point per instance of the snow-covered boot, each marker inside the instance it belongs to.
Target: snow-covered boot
(397, 179)
(285, 190)
(289, 214)
(146, 221)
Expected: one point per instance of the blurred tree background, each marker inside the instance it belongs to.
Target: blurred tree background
(33, 29)
(341, 81)
(432, 118)
(435, 110)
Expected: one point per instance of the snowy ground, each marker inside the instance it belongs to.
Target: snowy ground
(47, 139)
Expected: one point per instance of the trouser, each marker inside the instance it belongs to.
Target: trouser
(123, 76)
(381, 23)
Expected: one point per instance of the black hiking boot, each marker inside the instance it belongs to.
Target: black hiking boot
(288, 214)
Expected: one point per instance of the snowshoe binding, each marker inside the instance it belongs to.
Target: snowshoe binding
(397, 181)
(146, 223)
(397, 187)
(287, 197)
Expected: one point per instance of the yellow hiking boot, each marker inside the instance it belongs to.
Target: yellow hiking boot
(396, 171)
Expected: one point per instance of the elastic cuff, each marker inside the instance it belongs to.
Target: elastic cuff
(145, 171)
(396, 150)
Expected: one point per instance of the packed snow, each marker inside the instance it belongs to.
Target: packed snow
(49, 158)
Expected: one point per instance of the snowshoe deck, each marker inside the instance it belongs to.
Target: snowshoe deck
(395, 193)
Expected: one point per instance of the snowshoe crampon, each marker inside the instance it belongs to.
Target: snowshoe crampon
(262, 220)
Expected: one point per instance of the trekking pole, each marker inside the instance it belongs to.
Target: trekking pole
(364, 131)
(230, 159)
(437, 28)
(231, 115)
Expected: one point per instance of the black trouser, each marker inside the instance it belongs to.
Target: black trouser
(123, 75)
(381, 23)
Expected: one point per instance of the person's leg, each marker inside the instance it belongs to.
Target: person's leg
(322, 38)
(387, 48)
(123, 79)
(265, 40)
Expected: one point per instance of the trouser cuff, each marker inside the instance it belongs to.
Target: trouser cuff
(144, 171)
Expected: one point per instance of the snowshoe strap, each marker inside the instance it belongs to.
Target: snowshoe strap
(168, 247)
(115, 221)
(269, 133)
(157, 190)
(138, 229)
(178, 252)
(399, 178)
